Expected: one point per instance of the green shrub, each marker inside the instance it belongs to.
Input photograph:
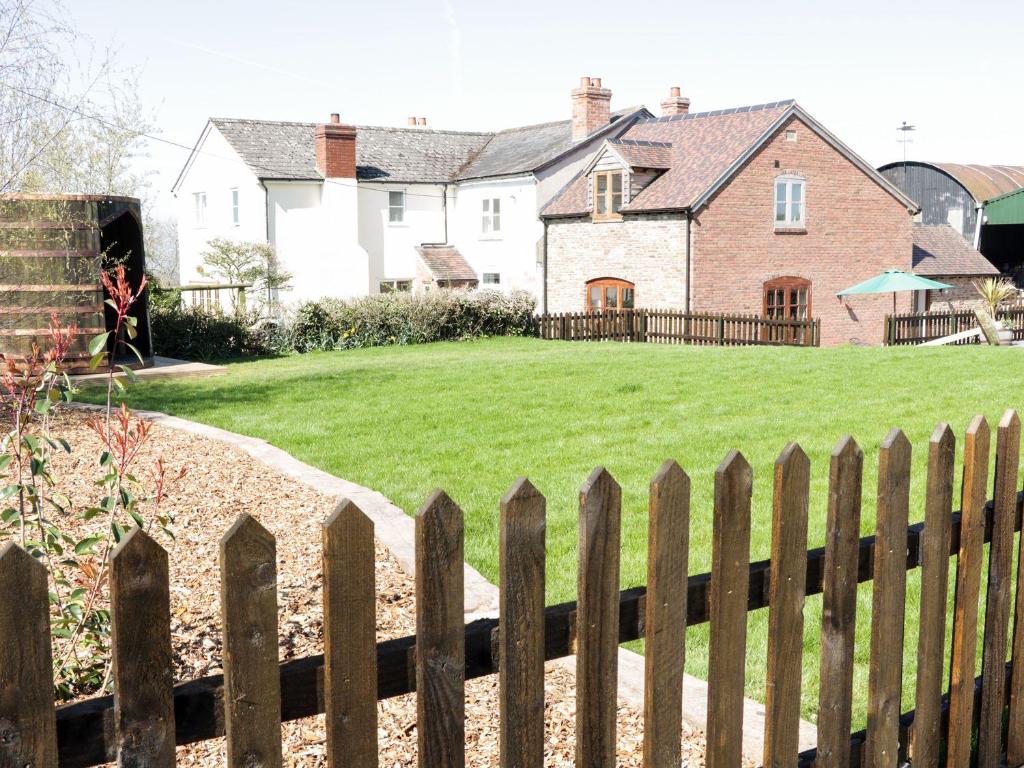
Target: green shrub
(405, 318)
(194, 333)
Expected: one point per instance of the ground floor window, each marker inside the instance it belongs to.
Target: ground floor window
(394, 286)
(610, 293)
(787, 298)
(492, 278)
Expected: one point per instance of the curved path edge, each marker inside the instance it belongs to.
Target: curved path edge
(397, 531)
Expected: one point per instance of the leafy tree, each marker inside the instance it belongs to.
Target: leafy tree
(247, 263)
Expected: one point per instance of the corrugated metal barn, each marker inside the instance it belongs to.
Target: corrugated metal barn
(984, 203)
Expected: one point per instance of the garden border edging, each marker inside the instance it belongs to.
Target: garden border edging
(397, 531)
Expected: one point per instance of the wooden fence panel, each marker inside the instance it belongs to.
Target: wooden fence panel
(26, 664)
(968, 582)
(997, 609)
(885, 673)
(521, 631)
(786, 606)
(440, 640)
(730, 580)
(597, 621)
(665, 615)
(1015, 725)
(350, 637)
(935, 544)
(839, 604)
(143, 666)
(248, 604)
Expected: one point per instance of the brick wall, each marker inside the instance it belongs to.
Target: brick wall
(854, 230)
(336, 150)
(961, 296)
(648, 250)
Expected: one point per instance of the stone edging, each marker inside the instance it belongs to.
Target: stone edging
(396, 530)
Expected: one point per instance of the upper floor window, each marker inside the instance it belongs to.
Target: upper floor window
(234, 207)
(607, 195)
(610, 293)
(491, 216)
(199, 203)
(789, 202)
(396, 207)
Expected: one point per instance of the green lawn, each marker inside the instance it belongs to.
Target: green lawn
(470, 417)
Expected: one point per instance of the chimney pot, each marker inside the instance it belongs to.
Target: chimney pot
(584, 82)
(412, 121)
(675, 104)
(596, 82)
(421, 121)
(674, 90)
(335, 118)
(591, 107)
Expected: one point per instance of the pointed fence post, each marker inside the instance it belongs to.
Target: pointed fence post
(665, 615)
(597, 621)
(730, 585)
(26, 664)
(252, 683)
(440, 638)
(140, 607)
(521, 628)
(885, 674)
(350, 638)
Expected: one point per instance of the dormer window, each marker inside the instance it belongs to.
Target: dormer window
(607, 195)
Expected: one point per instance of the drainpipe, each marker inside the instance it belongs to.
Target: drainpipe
(689, 261)
(444, 208)
(544, 262)
(266, 225)
(980, 214)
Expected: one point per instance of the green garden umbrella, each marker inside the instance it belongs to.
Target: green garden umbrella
(893, 281)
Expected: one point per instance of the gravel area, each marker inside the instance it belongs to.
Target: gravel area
(223, 482)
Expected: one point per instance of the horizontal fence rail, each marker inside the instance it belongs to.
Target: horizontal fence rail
(918, 327)
(146, 714)
(674, 327)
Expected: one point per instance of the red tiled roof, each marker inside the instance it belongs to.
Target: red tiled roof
(941, 250)
(445, 263)
(643, 154)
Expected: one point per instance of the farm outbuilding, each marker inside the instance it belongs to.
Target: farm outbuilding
(53, 249)
(984, 203)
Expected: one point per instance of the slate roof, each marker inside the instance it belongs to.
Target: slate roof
(939, 250)
(445, 263)
(286, 150)
(704, 145)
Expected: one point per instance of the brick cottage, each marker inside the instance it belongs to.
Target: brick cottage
(750, 210)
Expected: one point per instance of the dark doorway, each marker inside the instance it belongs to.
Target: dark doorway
(121, 243)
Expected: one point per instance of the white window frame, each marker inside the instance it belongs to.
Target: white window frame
(199, 209)
(790, 220)
(485, 281)
(490, 217)
(395, 285)
(235, 218)
(392, 207)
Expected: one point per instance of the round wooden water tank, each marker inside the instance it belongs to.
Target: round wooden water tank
(53, 249)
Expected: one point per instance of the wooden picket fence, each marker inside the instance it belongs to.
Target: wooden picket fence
(918, 327)
(673, 327)
(147, 715)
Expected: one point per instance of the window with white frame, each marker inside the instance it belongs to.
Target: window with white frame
(396, 207)
(234, 207)
(199, 203)
(491, 221)
(789, 202)
(492, 278)
(395, 286)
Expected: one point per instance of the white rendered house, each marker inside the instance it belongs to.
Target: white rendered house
(355, 210)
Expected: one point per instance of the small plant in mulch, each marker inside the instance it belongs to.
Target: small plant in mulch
(33, 509)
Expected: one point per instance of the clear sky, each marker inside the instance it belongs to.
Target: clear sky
(953, 69)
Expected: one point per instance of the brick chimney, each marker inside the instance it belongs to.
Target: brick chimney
(591, 107)
(336, 149)
(675, 104)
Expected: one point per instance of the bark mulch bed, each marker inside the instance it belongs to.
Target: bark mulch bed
(223, 482)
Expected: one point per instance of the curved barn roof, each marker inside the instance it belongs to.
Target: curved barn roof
(983, 181)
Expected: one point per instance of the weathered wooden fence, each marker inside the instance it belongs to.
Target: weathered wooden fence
(147, 715)
(919, 327)
(673, 327)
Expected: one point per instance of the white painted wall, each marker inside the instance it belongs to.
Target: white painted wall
(391, 247)
(512, 252)
(216, 169)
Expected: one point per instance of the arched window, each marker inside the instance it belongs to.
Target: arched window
(610, 293)
(787, 298)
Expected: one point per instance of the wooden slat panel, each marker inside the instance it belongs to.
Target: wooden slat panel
(140, 607)
(968, 582)
(440, 643)
(248, 604)
(786, 606)
(597, 621)
(26, 665)
(730, 558)
(665, 616)
(839, 604)
(997, 609)
(885, 674)
(350, 638)
(1015, 727)
(935, 543)
(521, 631)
